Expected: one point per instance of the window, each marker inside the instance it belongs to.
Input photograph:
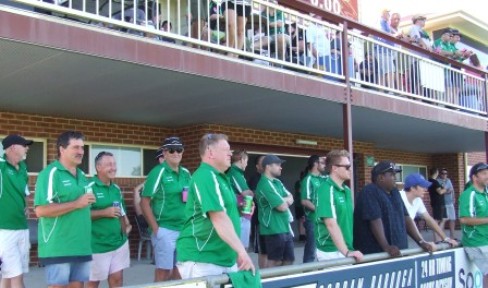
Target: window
(132, 161)
(36, 157)
(409, 169)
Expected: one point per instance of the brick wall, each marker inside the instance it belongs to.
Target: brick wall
(476, 157)
(266, 141)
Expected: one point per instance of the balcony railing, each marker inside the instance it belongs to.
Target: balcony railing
(320, 44)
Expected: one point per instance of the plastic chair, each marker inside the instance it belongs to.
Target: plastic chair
(144, 236)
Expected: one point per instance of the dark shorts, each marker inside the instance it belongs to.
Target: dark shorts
(241, 10)
(280, 247)
(439, 212)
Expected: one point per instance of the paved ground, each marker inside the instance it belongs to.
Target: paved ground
(142, 271)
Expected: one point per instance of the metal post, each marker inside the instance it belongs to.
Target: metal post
(346, 107)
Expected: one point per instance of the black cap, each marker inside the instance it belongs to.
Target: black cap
(272, 159)
(15, 139)
(172, 142)
(455, 32)
(383, 167)
(159, 153)
(448, 31)
(477, 168)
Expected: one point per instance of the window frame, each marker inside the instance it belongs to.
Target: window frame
(44, 151)
(401, 165)
(140, 147)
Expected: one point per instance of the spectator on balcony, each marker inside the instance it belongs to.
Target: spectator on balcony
(443, 45)
(298, 45)
(277, 39)
(418, 36)
(381, 221)
(333, 62)
(368, 69)
(166, 26)
(460, 54)
(135, 16)
(386, 56)
(216, 22)
(236, 13)
(318, 42)
(471, 95)
(336, 42)
(197, 16)
(14, 232)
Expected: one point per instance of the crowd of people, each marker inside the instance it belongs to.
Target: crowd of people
(201, 223)
(307, 43)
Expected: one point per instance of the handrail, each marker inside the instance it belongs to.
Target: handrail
(213, 281)
(424, 75)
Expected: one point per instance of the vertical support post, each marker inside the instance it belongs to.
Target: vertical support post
(346, 107)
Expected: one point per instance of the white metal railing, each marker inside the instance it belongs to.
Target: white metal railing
(273, 35)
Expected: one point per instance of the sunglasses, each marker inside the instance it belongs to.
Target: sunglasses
(347, 167)
(173, 150)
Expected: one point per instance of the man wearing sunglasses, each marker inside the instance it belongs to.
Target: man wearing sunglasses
(163, 205)
(381, 221)
(334, 211)
(473, 215)
(14, 233)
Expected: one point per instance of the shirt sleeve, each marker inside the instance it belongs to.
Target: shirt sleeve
(45, 188)
(209, 194)
(152, 182)
(467, 204)
(371, 209)
(325, 202)
(305, 189)
(271, 195)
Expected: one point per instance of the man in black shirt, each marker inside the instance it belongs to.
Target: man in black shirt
(381, 221)
(258, 240)
(436, 192)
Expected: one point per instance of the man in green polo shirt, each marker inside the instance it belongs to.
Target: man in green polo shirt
(334, 211)
(14, 233)
(473, 215)
(62, 203)
(209, 242)
(163, 204)
(241, 189)
(274, 203)
(308, 194)
(111, 253)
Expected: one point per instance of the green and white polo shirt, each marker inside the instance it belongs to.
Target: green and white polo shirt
(68, 234)
(333, 201)
(474, 204)
(164, 186)
(308, 191)
(107, 234)
(13, 190)
(269, 195)
(237, 179)
(210, 191)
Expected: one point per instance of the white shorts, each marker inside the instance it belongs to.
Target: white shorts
(324, 256)
(164, 244)
(14, 252)
(190, 269)
(104, 264)
(450, 212)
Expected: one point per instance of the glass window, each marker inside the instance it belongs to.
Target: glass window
(149, 160)
(129, 159)
(35, 157)
(409, 169)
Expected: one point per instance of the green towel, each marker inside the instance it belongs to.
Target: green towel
(245, 279)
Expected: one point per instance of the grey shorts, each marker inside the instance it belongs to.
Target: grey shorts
(450, 212)
(479, 256)
(164, 244)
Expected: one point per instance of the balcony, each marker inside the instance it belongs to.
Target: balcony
(87, 63)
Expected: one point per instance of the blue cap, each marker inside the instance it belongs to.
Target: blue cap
(415, 179)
